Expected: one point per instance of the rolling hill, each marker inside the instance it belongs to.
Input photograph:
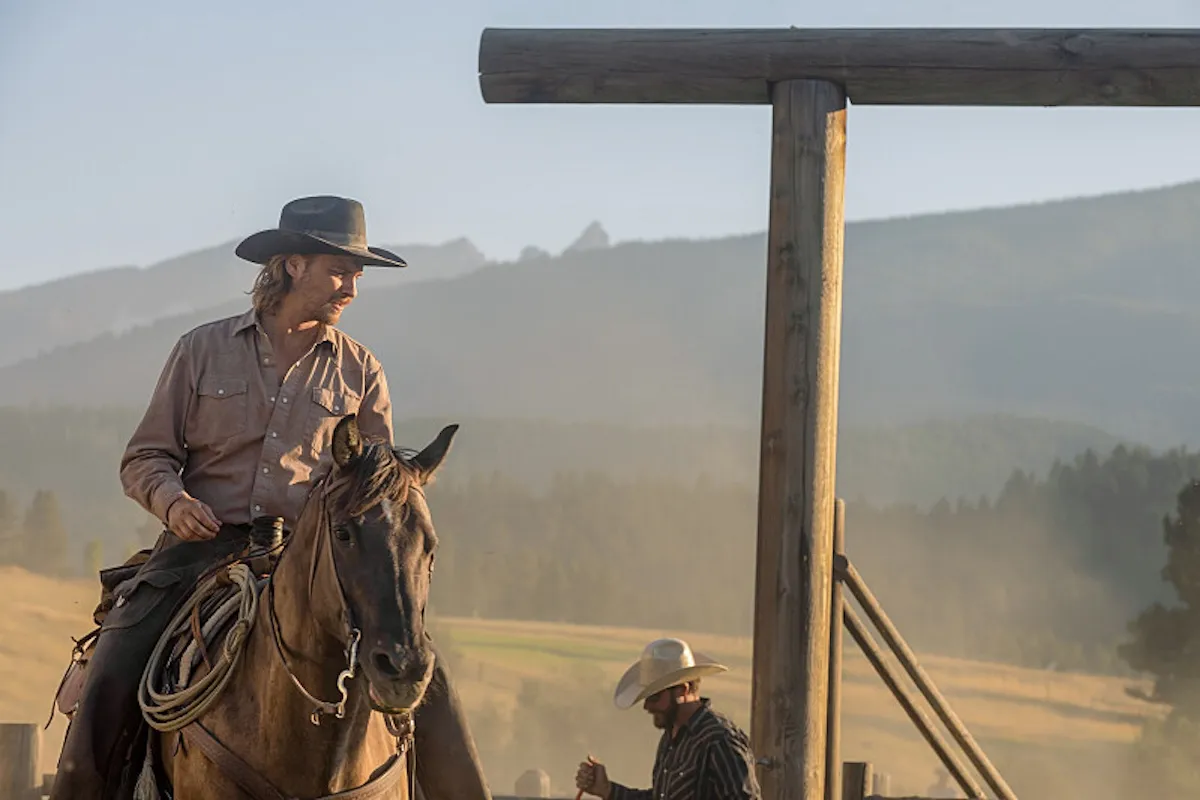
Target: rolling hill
(975, 343)
(37, 319)
(1077, 310)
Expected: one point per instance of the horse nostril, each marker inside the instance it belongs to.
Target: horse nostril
(416, 670)
(385, 664)
(408, 667)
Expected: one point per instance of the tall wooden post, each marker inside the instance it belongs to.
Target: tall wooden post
(805, 75)
(799, 428)
(857, 780)
(833, 729)
(19, 746)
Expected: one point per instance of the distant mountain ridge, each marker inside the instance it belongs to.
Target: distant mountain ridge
(1077, 310)
(78, 308)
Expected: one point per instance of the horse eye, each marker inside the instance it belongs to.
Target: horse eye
(341, 533)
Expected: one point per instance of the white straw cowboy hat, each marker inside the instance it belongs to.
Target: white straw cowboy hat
(664, 663)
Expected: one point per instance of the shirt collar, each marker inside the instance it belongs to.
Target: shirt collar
(251, 319)
(330, 334)
(705, 705)
(246, 321)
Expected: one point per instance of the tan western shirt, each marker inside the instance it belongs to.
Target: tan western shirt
(225, 425)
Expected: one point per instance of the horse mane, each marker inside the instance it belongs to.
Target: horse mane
(381, 473)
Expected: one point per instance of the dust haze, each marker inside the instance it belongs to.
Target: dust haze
(1004, 492)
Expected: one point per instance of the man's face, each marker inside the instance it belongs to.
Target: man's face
(325, 285)
(662, 707)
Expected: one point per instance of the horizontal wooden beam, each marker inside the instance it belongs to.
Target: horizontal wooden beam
(897, 66)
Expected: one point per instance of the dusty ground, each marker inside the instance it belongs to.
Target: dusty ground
(1032, 722)
(1038, 726)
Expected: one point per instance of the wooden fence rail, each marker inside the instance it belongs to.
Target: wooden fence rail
(20, 779)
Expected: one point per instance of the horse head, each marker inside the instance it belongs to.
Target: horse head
(373, 561)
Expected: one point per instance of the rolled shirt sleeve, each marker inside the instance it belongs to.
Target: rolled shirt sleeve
(156, 453)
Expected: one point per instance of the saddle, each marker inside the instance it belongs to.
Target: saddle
(265, 535)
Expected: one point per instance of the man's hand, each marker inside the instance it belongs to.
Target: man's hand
(593, 778)
(192, 520)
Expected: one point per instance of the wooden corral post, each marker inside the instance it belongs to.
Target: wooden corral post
(19, 752)
(856, 780)
(807, 76)
(833, 745)
(793, 587)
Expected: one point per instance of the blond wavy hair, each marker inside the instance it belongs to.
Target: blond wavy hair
(272, 283)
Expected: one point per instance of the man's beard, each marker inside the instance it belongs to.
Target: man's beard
(332, 311)
(666, 719)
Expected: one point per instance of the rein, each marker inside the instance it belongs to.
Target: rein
(320, 707)
(400, 724)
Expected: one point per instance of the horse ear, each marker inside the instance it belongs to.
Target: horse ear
(347, 441)
(430, 459)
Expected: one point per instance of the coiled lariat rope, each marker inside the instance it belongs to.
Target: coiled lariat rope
(234, 590)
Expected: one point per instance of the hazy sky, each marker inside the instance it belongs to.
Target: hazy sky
(131, 130)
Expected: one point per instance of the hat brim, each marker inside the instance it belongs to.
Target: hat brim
(258, 248)
(629, 691)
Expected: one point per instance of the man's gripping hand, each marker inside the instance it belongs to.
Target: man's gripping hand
(192, 520)
(592, 778)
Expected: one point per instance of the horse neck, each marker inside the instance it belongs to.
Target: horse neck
(308, 643)
(316, 657)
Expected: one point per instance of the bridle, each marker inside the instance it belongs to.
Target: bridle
(352, 634)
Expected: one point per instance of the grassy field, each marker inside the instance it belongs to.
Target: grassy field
(1047, 731)
(539, 696)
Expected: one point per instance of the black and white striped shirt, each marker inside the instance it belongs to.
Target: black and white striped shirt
(709, 759)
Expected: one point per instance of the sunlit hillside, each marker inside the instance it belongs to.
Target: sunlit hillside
(538, 694)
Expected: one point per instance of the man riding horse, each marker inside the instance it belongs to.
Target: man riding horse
(238, 428)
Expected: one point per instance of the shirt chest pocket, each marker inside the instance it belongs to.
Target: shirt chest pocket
(221, 410)
(327, 408)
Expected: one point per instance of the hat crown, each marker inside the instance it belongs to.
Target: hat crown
(319, 224)
(336, 219)
(664, 656)
(662, 664)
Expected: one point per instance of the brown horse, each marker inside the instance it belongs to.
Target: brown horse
(337, 659)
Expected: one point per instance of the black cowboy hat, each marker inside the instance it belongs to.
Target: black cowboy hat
(322, 224)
